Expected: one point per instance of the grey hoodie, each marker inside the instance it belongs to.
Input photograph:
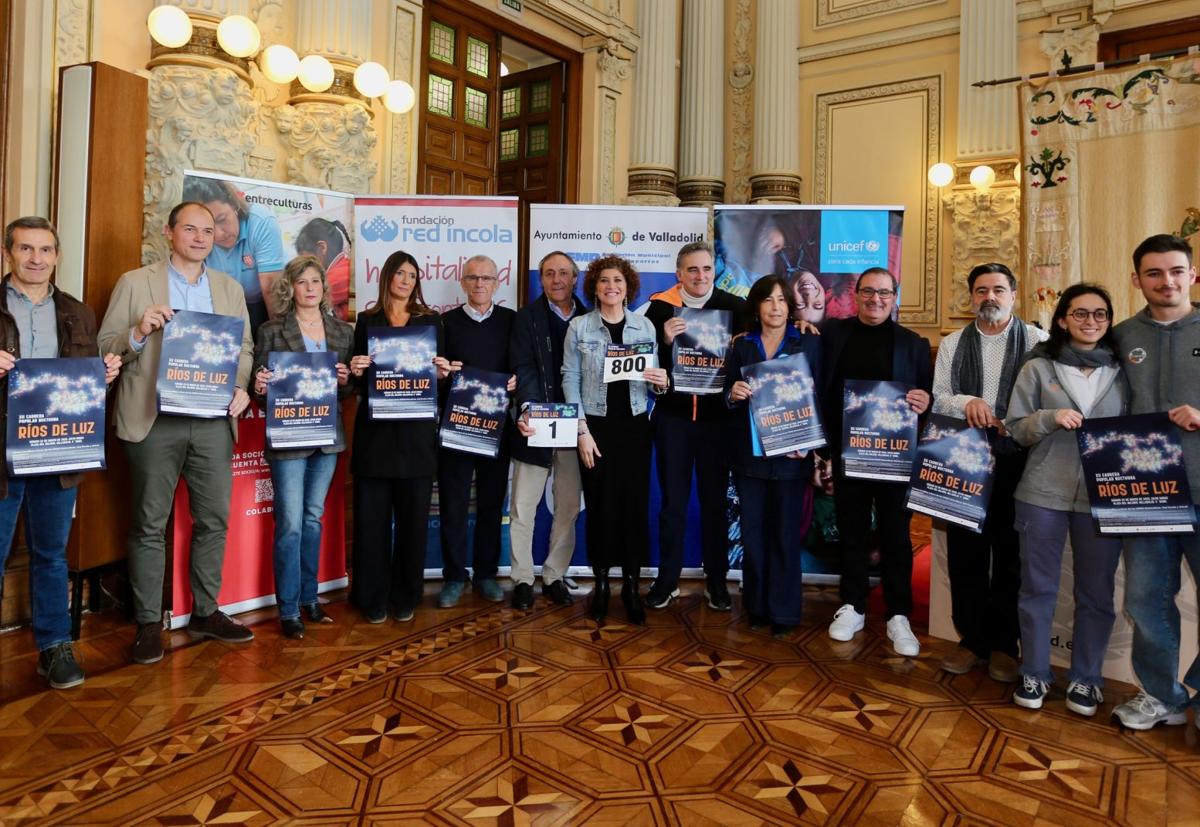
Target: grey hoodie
(1162, 364)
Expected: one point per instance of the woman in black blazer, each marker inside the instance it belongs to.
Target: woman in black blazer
(394, 462)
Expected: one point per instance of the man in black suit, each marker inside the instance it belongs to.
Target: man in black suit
(872, 346)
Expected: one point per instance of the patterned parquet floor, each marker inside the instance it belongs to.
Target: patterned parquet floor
(485, 716)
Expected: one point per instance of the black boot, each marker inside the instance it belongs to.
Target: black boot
(600, 595)
(632, 600)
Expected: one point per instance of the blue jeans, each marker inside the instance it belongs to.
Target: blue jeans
(1152, 579)
(49, 509)
(300, 489)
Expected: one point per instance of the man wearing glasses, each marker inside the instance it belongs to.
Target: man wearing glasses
(872, 346)
(972, 380)
(477, 334)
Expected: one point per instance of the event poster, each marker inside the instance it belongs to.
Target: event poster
(274, 223)
(648, 237)
(302, 400)
(952, 473)
(698, 354)
(473, 420)
(402, 379)
(879, 431)
(55, 416)
(199, 362)
(783, 408)
(441, 232)
(1136, 479)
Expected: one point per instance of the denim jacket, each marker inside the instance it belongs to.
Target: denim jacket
(583, 361)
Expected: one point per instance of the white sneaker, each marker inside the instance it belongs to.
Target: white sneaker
(846, 623)
(1145, 712)
(903, 640)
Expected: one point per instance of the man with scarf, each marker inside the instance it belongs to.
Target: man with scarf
(972, 380)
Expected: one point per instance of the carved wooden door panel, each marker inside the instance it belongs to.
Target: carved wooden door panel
(531, 134)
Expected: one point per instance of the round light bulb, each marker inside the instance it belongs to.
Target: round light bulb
(941, 174)
(316, 73)
(399, 97)
(371, 79)
(238, 35)
(279, 63)
(169, 26)
(983, 177)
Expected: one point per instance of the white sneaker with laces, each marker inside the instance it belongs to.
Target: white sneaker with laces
(1145, 712)
(846, 623)
(903, 640)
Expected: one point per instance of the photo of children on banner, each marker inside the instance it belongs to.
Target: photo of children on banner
(55, 416)
(783, 408)
(402, 379)
(698, 353)
(879, 431)
(952, 472)
(199, 364)
(555, 424)
(476, 406)
(302, 400)
(1136, 479)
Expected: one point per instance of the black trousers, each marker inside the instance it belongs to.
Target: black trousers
(985, 569)
(455, 469)
(616, 491)
(389, 563)
(680, 446)
(772, 579)
(852, 502)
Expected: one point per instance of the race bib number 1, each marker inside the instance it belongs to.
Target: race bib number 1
(555, 424)
(625, 362)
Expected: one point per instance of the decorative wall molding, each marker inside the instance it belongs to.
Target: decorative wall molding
(401, 152)
(613, 69)
(73, 32)
(930, 88)
(330, 145)
(879, 40)
(1078, 46)
(608, 148)
(741, 114)
(986, 227)
(833, 12)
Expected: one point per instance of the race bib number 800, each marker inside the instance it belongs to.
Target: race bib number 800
(625, 362)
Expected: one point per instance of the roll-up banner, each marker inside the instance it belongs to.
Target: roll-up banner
(441, 233)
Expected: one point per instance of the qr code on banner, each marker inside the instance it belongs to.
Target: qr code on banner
(264, 491)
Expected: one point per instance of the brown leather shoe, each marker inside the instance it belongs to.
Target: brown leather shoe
(961, 661)
(1002, 668)
(147, 646)
(218, 626)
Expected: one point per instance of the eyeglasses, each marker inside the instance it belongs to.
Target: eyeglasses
(1081, 315)
(479, 278)
(871, 292)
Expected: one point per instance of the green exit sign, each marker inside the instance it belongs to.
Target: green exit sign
(515, 5)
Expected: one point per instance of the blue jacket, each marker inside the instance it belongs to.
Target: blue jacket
(583, 362)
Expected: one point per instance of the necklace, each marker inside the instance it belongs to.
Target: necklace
(306, 323)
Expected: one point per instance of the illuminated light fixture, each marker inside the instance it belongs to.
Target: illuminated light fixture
(316, 73)
(238, 35)
(371, 79)
(279, 63)
(983, 177)
(941, 174)
(399, 97)
(169, 26)
(1017, 173)
(503, 69)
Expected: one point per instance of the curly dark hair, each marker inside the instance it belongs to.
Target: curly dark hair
(610, 262)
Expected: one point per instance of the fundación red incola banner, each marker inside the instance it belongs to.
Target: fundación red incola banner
(441, 232)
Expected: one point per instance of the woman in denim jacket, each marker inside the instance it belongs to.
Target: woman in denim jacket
(614, 430)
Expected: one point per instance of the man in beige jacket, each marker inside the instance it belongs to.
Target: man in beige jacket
(161, 447)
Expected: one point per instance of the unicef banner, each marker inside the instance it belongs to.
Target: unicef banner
(441, 233)
(649, 237)
(818, 249)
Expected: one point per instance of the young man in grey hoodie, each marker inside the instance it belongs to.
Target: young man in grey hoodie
(1160, 347)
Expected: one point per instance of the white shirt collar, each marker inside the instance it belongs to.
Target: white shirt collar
(475, 314)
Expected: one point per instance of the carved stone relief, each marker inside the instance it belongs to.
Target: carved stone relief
(986, 227)
(613, 69)
(400, 174)
(1071, 47)
(741, 80)
(72, 33)
(330, 145)
(608, 149)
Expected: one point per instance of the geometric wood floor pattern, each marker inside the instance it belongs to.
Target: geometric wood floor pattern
(485, 716)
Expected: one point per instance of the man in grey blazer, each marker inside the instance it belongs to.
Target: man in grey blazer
(162, 447)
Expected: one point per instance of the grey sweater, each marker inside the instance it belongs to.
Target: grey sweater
(1053, 475)
(1162, 363)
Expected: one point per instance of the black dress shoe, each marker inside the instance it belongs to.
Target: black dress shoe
(600, 595)
(293, 628)
(316, 614)
(558, 593)
(522, 598)
(218, 626)
(634, 610)
(758, 622)
(147, 646)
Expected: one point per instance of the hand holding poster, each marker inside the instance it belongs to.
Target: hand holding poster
(623, 363)
(1135, 474)
(55, 416)
(302, 400)
(473, 420)
(698, 353)
(199, 364)
(952, 473)
(555, 424)
(402, 379)
(879, 431)
(783, 407)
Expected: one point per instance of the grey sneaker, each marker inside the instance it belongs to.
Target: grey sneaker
(489, 590)
(1145, 712)
(450, 594)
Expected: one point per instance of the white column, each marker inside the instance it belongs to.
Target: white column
(339, 31)
(776, 172)
(702, 120)
(987, 116)
(652, 154)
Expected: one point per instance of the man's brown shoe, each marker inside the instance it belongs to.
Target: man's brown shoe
(218, 626)
(961, 661)
(1002, 668)
(147, 646)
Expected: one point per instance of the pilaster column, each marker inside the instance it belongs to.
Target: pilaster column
(702, 121)
(652, 155)
(776, 174)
